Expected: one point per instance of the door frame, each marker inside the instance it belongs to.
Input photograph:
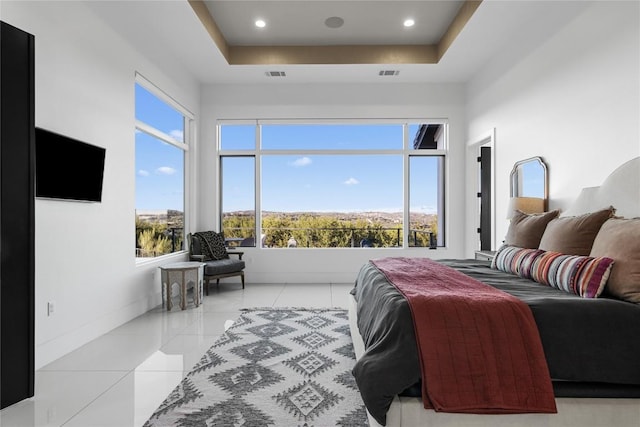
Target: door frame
(487, 139)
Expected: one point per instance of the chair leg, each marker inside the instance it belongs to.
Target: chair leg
(242, 278)
(218, 283)
(206, 286)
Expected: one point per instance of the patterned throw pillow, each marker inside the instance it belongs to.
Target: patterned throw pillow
(580, 275)
(212, 245)
(515, 260)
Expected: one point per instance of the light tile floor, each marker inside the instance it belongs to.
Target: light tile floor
(120, 378)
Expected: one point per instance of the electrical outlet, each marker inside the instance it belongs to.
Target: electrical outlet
(51, 308)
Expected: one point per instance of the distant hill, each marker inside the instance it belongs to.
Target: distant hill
(384, 218)
(171, 217)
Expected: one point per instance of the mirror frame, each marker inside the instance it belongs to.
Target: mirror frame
(515, 177)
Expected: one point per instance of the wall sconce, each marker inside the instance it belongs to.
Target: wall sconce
(525, 204)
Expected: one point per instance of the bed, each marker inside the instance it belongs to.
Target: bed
(587, 319)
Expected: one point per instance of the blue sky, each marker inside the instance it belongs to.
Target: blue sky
(159, 166)
(317, 182)
(304, 182)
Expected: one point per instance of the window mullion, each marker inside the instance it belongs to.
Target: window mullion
(405, 179)
(161, 135)
(258, 188)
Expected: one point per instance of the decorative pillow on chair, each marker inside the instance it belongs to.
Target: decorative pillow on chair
(620, 239)
(212, 245)
(574, 235)
(526, 230)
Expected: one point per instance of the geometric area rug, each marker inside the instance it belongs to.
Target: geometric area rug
(272, 367)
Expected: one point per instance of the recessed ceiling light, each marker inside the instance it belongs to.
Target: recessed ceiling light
(334, 22)
(409, 22)
(260, 23)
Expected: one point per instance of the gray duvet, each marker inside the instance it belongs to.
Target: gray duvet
(592, 346)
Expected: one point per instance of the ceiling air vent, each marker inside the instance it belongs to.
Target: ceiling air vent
(276, 74)
(388, 72)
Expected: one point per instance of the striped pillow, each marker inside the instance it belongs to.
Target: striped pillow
(515, 260)
(581, 275)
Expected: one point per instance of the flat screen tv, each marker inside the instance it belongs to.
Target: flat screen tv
(68, 169)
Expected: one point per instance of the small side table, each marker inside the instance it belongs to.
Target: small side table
(485, 255)
(183, 274)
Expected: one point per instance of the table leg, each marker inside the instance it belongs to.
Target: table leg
(199, 283)
(196, 292)
(183, 292)
(167, 284)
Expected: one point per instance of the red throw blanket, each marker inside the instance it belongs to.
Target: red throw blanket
(479, 347)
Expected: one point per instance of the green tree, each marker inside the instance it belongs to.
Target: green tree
(152, 244)
(327, 231)
(155, 238)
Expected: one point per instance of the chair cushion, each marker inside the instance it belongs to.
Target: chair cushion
(194, 247)
(223, 266)
(212, 245)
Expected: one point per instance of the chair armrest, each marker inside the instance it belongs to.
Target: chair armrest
(239, 253)
(199, 258)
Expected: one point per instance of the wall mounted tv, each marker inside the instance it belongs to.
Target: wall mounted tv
(68, 169)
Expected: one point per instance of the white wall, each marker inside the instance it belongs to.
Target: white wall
(277, 101)
(573, 98)
(85, 251)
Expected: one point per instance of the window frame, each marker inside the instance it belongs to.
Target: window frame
(407, 151)
(188, 120)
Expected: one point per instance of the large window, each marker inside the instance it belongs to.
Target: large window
(162, 128)
(339, 184)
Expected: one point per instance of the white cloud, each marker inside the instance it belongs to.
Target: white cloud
(143, 172)
(351, 181)
(302, 161)
(165, 170)
(177, 134)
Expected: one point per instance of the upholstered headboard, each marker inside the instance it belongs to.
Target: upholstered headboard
(621, 190)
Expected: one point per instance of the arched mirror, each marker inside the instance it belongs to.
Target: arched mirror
(529, 186)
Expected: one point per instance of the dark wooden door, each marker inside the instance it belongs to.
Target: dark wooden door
(485, 198)
(16, 215)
